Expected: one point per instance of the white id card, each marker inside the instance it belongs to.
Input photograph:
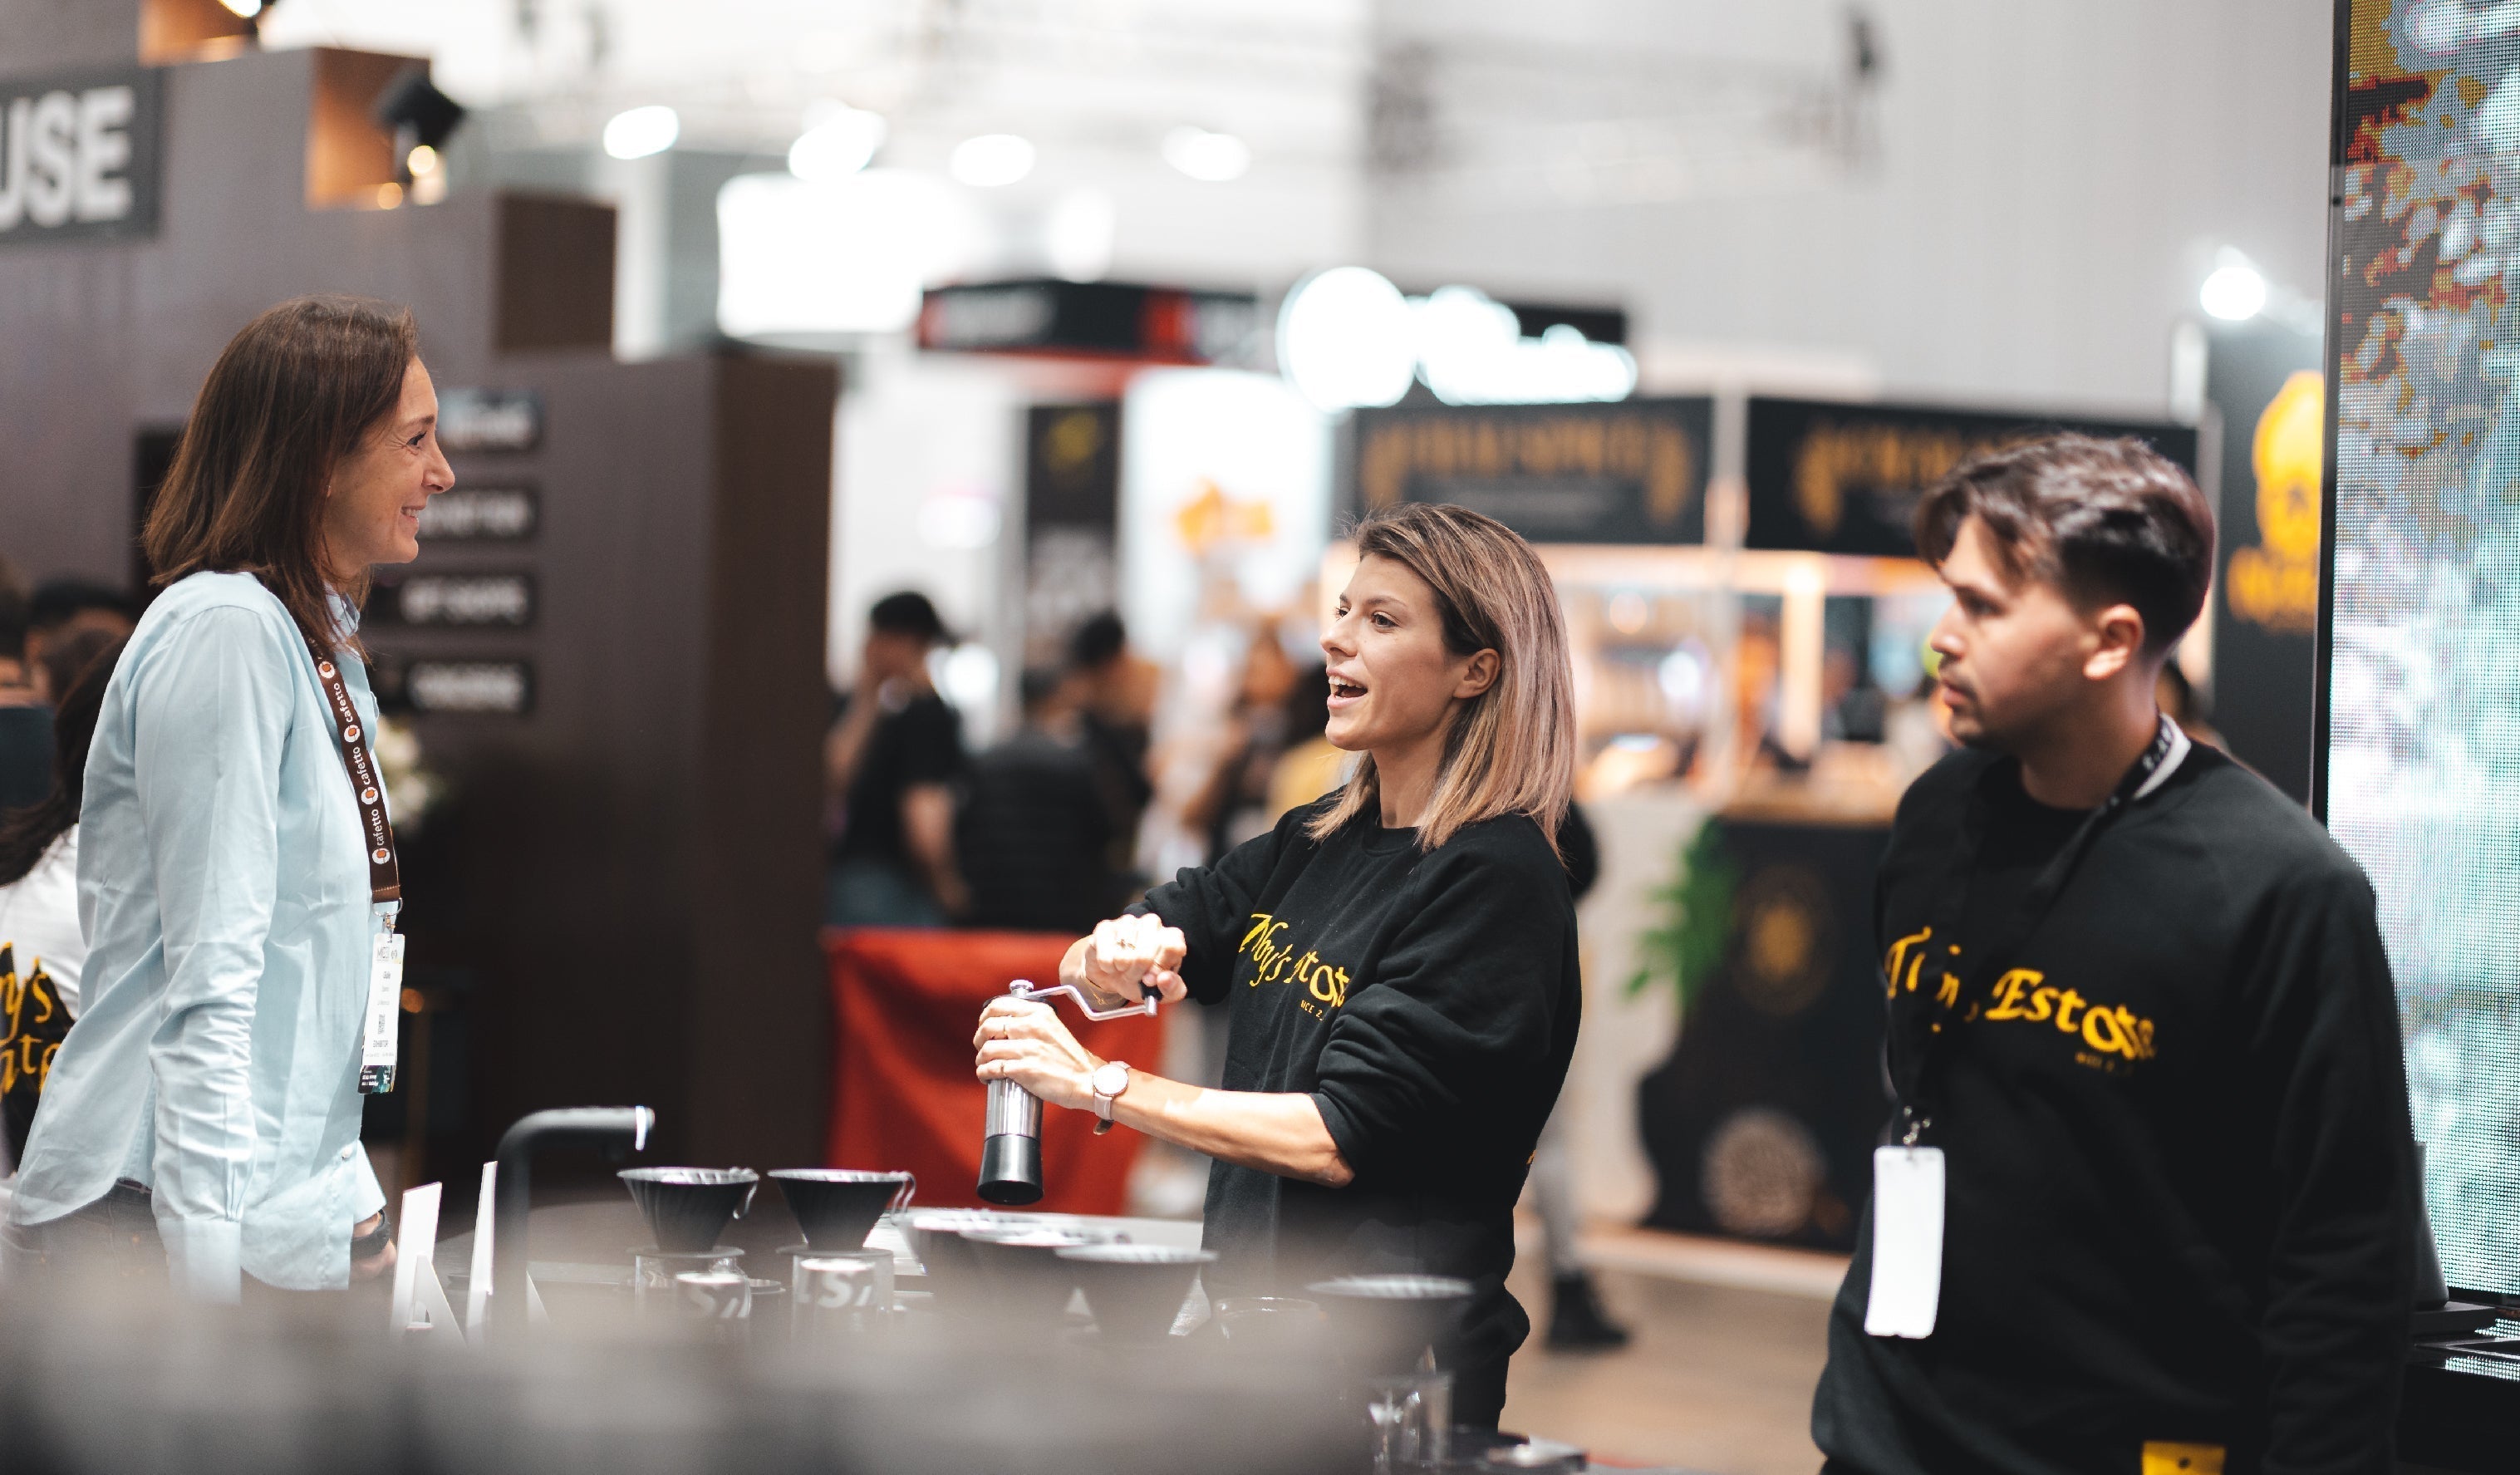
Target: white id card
(1907, 1241)
(384, 1005)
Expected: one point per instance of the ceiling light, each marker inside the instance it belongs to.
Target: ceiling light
(2235, 293)
(243, 9)
(837, 147)
(1345, 339)
(642, 131)
(423, 161)
(992, 159)
(1203, 155)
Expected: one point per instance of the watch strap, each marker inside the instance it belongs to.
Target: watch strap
(370, 1245)
(1102, 1103)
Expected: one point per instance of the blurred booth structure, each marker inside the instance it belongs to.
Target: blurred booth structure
(611, 650)
(903, 1004)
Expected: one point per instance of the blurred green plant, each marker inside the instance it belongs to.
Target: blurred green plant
(1684, 947)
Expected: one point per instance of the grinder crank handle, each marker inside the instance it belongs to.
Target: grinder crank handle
(1023, 988)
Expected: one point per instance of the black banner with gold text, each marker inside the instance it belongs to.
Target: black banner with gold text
(1626, 472)
(1844, 478)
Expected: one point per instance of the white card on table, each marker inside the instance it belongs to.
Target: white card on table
(415, 1257)
(1907, 1241)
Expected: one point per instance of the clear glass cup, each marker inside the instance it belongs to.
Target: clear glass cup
(1412, 1418)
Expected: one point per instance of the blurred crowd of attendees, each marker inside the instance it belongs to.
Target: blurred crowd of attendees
(48, 637)
(1040, 831)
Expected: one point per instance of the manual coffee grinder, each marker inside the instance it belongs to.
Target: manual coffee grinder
(1011, 1152)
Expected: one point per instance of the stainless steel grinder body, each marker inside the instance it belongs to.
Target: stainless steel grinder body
(1010, 1150)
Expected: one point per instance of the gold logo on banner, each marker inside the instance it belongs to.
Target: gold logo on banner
(1788, 944)
(2275, 583)
(1834, 461)
(1636, 447)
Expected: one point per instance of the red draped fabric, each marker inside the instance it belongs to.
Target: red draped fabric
(904, 1003)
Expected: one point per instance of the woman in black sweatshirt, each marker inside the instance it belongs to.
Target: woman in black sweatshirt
(1399, 956)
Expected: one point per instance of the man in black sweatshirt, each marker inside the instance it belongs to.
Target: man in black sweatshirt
(2152, 1135)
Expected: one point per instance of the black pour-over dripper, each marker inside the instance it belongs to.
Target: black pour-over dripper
(1386, 1323)
(1134, 1290)
(838, 1207)
(1028, 1281)
(687, 1208)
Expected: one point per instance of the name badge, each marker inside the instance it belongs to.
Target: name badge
(384, 1002)
(1907, 1241)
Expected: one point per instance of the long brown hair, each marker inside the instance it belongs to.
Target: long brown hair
(288, 400)
(1511, 748)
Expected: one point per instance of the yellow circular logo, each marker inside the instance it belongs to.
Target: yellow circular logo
(1787, 943)
(2287, 453)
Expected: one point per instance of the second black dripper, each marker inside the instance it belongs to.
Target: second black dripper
(687, 1208)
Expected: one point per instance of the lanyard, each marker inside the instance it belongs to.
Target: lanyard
(385, 869)
(1924, 1032)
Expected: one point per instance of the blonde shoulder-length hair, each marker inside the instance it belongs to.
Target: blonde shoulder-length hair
(1511, 748)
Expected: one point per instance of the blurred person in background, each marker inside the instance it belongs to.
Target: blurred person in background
(1116, 707)
(65, 606)
(1232, 805)
(42, 951)
(1576, 1320)
(1399, 956)
(1311, 765)
(202, 1119)
(2181, 705)
(894, 756)
(16, 682)
(1034, 837)
(26, 722)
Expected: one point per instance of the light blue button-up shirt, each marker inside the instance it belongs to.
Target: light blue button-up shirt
(223, 886)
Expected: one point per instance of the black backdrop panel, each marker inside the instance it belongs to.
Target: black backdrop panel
(1844, 478)
(2263, 381)
(1761, 1126)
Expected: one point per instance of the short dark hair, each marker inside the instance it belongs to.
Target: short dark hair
(2099, 519)
(908, 612)
(13, 617)
(1097, 642)
(57, 602)
(79, 668)
(288, 401)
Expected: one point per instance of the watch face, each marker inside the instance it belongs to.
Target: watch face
(1111, 1079)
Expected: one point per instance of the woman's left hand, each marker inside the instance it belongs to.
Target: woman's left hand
(1024, 1041)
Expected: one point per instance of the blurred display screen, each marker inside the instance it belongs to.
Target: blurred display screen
(2423, 778)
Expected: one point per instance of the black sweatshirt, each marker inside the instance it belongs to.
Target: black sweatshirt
(1428, 1003)
(2176, 1151)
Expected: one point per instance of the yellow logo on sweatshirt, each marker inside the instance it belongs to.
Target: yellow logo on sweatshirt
(2163, 1457)
(1273, 960)
(2114, 1037)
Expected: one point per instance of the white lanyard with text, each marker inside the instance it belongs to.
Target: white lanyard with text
(377, 1043)
(1908, 1178)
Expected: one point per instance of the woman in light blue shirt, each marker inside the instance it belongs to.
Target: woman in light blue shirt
(211, 1087)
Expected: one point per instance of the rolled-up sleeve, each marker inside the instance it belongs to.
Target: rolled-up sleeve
(1463, 1006)
(210, 719)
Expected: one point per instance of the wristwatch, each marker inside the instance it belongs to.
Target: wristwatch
(1109, 1080)
(370, 1245)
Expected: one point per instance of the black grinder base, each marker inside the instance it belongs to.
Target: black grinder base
(1011, 1168)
